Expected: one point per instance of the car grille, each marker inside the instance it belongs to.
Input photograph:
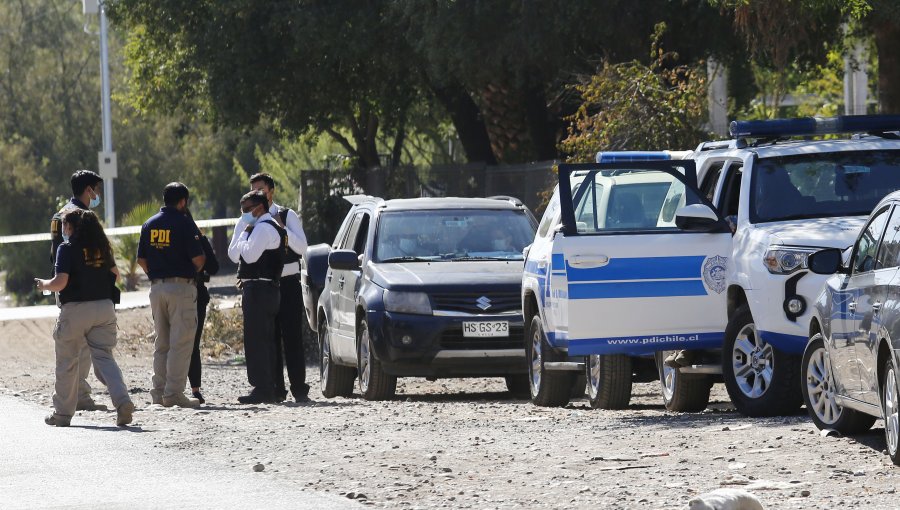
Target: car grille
(454, 340)
(469, 303)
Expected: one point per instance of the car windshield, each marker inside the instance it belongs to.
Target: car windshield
(822, 185)
(452, 234)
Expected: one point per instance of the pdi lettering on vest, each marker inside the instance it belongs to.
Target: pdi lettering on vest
(160, 238)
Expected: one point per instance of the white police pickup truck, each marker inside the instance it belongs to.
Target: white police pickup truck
(713, 265)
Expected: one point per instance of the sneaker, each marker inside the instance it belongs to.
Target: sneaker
(124, 413)
(156, 397)
(88, 404)
(55, 420)
(198, 396)
(679, 359)
(180, 400)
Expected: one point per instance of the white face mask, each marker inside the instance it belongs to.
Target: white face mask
(408, 245)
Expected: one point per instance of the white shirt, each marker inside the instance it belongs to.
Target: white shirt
(295, 236)
(251, 245)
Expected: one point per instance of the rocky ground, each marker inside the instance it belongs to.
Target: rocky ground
(469, 444)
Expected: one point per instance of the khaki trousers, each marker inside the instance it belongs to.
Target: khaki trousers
(91, 324)
(174, 307)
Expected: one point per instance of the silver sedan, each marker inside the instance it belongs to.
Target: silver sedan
(850, 365)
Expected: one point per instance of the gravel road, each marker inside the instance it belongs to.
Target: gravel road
(468, 444)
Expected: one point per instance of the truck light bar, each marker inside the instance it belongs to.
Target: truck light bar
(809, 126)
(620, 156)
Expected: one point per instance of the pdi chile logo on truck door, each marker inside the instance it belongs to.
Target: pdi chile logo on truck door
(715, 270)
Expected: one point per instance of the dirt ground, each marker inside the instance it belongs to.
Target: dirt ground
(468, 444)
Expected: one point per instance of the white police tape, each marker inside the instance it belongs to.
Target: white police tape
(112, 232)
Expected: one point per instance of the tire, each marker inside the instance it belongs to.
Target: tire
(334, 380)
(608, 380)
(518, 386)
(682, 393)
(890, 403)
(548, 389)
(760, 379)
(374, 384)
(818, 390)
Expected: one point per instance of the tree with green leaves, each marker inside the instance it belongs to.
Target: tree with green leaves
(782, 33)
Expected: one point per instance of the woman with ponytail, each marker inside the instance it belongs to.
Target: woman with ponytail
(85, 279)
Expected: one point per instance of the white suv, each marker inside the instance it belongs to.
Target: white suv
(727, 283)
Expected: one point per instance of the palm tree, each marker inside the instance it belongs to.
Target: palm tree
(127, 245)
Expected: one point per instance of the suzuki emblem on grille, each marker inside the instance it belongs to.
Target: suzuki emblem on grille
(483, 302)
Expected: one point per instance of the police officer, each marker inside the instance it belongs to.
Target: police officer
(170, 253)
(86, 186)
(259, 249)
(210, 267)
(85, 277)
(289, 328)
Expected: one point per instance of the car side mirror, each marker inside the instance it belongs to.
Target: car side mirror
(826, 261)
(346, 260)
(697, 218)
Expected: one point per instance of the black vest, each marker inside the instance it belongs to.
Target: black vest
(270, 263)
(290, 255)
(90, 278)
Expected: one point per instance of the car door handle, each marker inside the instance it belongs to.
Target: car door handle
(851, 307)
(341, 282)
(588, 261)
(329, 277)
(876, 306)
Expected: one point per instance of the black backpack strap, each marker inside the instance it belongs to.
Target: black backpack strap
(283, 213)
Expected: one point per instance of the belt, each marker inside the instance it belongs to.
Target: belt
(172, 280)
(245, 281)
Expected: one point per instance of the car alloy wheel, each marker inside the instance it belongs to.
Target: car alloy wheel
(890, 403)
(753, 362)
(365, 361)
(325, 365)
(669, 377)
(537, 363)
(820, 387)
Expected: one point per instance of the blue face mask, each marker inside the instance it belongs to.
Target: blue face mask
(248, 218)
(95, 201)
(65, 237)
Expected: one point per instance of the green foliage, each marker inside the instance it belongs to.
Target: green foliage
(127, 245)
(630, 106)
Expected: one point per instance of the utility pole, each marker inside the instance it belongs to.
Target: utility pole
(106, 159)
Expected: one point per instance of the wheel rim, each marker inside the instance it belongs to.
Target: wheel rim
(594, 373)
(891, 406)
(820, 388)
(753, 362)
(325, 365)
(667, 377)
(365, 364)
(537, 364)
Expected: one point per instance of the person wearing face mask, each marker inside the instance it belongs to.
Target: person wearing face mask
(260, 250)
(289, 326)
(86, 186)
(85, 273)
(171, 254)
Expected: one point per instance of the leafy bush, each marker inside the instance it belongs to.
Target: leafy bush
(631, 106)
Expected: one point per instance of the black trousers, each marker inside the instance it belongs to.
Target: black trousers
(260, 302)
(289, 339)
(194, 371)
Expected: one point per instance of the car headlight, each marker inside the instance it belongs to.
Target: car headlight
(407, 302)
(786, 260)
